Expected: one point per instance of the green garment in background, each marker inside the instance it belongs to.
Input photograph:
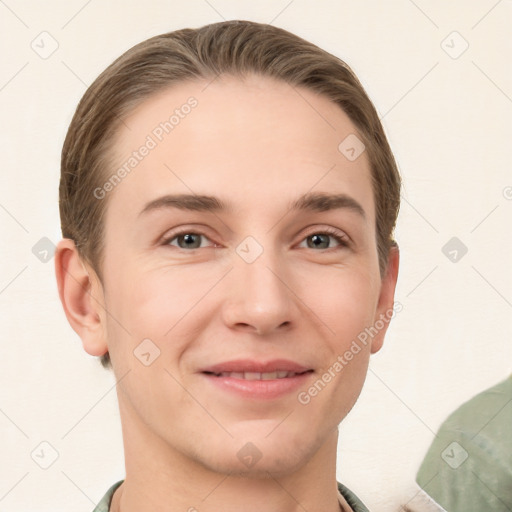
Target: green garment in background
(356, 504)
(468, 467)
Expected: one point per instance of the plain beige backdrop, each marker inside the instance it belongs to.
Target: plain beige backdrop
(439, 74)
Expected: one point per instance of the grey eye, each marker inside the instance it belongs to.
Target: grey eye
(187, 241)
(318, 240)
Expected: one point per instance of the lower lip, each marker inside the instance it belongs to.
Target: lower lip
(259, 389)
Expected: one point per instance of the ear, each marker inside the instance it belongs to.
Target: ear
(81, 295)
(386, 299)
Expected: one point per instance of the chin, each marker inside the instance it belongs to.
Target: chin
(263, 469)
(262, 458)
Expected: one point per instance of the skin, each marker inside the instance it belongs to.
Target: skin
(258, 145)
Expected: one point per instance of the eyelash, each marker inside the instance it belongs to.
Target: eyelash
(341, 239)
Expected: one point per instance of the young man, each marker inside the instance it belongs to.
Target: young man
(227, 199)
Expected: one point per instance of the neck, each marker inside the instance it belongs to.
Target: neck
(159, 477)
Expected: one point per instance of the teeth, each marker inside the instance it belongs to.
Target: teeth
(281, 374)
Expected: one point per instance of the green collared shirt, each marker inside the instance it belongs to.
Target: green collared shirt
(356, 504)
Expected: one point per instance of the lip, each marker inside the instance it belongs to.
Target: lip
(251, 365)
(257, 389)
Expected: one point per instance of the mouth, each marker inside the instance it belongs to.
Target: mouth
(258, 380)
(278, 374)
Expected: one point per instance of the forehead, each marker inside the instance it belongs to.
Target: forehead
(249, 141)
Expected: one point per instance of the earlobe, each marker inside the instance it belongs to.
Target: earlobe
(81, 296)
(386, 299)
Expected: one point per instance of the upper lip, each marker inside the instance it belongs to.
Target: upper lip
(251, 365)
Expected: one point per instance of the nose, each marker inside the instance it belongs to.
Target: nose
(259, 296)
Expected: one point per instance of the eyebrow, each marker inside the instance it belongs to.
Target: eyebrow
(319, 202)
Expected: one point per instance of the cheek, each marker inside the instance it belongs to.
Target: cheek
(157, 305)
(346, 304)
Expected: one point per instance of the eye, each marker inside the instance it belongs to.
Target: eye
(317, 240)
(321, 239)
(186, 240)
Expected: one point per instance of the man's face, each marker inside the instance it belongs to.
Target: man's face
(242, 308)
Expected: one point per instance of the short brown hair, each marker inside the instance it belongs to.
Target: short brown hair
(231, 48)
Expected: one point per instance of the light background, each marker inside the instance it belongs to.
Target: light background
(448, 122)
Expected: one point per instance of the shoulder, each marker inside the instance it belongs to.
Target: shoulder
(355, 503)
(104, 504)
(487, 414)
(475, 413)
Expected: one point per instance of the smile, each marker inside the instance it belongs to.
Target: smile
(257, 380)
